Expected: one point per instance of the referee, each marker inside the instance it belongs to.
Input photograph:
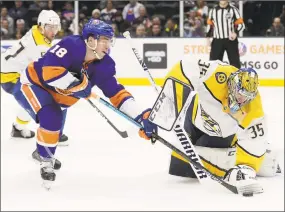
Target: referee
(224, 23)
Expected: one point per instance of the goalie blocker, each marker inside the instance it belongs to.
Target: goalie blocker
(218, 154)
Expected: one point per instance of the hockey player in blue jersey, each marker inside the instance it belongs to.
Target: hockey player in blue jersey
(65, 74)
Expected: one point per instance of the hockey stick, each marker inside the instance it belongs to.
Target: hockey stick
(187, 143)
(139, 58)
(123, 134)
(172, 147)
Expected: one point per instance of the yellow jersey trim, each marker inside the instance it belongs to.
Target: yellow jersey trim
(9, 77)
(39, 39)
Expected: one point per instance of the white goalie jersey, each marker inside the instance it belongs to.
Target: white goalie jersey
(212, 115)
(16, 59)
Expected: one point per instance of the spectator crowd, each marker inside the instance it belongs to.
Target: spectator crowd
(141, 18)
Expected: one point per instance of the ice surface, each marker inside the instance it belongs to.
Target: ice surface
(102, 171)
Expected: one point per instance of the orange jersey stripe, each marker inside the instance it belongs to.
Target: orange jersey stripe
(61, 99)
(33, 74)
(31, 98)
(239, 21)
(46, 136)
(210, 22)
(117, 99)
(50, 72)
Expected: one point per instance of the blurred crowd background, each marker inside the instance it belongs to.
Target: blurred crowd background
(141, 18)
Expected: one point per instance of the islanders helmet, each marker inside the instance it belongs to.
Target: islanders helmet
(97, 28)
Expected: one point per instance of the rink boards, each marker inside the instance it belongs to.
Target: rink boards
(265, 55)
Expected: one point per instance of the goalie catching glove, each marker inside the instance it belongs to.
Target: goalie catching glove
(148, 127)
(244, 178)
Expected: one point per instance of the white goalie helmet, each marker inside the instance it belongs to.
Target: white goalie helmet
(49, 17)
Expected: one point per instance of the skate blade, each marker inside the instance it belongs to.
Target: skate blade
(47, 184)
(66, 143)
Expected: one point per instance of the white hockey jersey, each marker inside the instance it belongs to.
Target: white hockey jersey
(14, 60)
(212, 115)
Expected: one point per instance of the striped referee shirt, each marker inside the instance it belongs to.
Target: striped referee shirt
(222, 21)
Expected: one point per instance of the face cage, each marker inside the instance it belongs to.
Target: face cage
(234, 89)
(234, 104)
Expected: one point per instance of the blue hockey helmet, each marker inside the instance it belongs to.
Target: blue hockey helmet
(97, 28)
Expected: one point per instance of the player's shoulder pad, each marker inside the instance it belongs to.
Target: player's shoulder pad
(74, 45)
(223, 71)
(253, 110)
(105, 66)
(27, 39)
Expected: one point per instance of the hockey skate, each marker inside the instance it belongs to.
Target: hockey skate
(47, 172)
(55, 162)
(63, 140)
(25, 133)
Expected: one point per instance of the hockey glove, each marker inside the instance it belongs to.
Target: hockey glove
(270, 165)
(80, 88)
(244, 178)
(148, 127)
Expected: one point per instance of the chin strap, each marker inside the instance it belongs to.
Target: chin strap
(96, 54)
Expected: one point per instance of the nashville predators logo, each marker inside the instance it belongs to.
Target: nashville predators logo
(221, 77)
(210, 124)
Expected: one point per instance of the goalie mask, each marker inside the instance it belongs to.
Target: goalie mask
(242, 86)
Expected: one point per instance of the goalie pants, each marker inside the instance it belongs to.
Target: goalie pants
(44, 110)
(178, 166)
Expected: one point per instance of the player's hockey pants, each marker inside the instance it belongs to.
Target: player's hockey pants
(178, 166)
(45, 111)
(9, 88)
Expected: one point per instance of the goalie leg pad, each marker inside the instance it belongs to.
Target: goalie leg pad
(180, 167)
(216, 160)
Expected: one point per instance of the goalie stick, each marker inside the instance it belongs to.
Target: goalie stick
(187, 142)
(155, 137)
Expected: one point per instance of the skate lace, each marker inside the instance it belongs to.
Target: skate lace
(47, 165)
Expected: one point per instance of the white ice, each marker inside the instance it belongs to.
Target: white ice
(102, 171)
